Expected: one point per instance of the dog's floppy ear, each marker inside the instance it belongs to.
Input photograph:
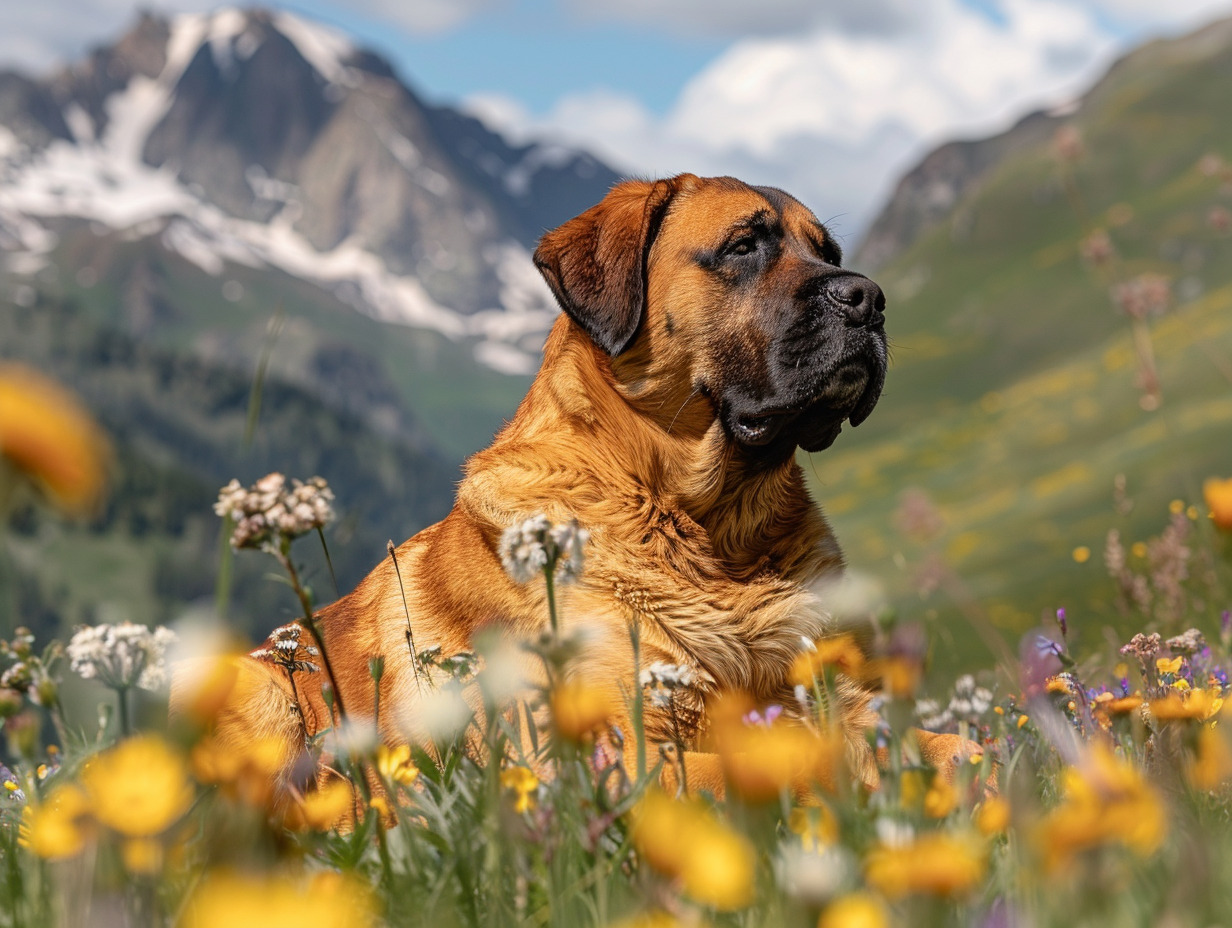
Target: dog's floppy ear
(596, 262)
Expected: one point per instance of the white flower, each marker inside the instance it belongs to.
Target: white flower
(893, 833)
(671, 676)
(530, 546)
(269, 506)
(813, 876)
(121, 656)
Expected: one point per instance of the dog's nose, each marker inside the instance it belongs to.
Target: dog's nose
(861, 299)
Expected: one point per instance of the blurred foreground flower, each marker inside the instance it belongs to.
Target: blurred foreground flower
(535, 544)
(47, 439)
(324, 900)
(1105, 800)
(139, 788)
(59, 826)
(523, 783)
(938, 864)
(1218, 495)
(578, 709)
(684, 840)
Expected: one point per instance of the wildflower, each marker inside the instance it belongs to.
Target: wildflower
(684, 840)
(662, 680)
(395, 764)
(579, 708)
(58, 827)
(226, 899)
(286, 651)
(1195, 704)
(840, 652)
(1096, 248)
(247, 771)
(855, 910)
(939, 864)
(1143, 296)
(1218, 494)
(320, 809)
(813, 876)
(760, 763)
(1167, 665)
(121, 656)
(524, 784)
(535, 544)
(271, 512)
(142, 855)
(1211, 766)
(816, 826)
(992, 816)
(1081, 554)
(941, 798)
(49, 440)
(1189, 642)
(1104, 800)
(138, 788)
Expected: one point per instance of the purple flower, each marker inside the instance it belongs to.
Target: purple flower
(1061, 622)
(765, 719)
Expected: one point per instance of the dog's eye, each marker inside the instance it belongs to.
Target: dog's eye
(743, 246)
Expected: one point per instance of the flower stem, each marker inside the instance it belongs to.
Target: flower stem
(125, 723)
(549, 579)
(305, 601)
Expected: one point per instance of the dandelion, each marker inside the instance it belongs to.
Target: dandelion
(856, 910)
(138, 788)
(938, 864)
(523, 783)
(395, 764)
(47, 440)
(840, 652)
(685, 841)
(578, 709)
(59, 827)
(227, 899)
(1218, 495)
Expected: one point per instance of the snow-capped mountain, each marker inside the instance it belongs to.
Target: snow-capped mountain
(260, 140)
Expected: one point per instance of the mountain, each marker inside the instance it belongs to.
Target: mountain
(1014, 398)
(213, 194)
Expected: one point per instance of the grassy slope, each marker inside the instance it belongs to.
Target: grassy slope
(1012, 398)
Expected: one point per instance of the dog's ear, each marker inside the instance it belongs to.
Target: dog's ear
(596, 262)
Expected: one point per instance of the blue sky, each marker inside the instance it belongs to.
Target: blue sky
(829, 99)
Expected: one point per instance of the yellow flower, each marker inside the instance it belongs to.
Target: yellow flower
(1212, 763)
(46, 436)
(760, 762)
(579, 708)
(656, 919)
(684, 840)
(1022, 720)
(231, 900)
(322, 807)
(138, 788)
(1194, 704)
(855, 910)
(941, 798)
(1218, 495)
(1168, 665)
(523, 782)
(840, 652)
(1082, 554)
(395, 764)
(245, 771)
(59, 826)
(939, 864)
(142, 855)
(993, 816)
(1104, 800)
(815, 825)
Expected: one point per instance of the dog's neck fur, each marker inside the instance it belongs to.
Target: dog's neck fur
(744, 510)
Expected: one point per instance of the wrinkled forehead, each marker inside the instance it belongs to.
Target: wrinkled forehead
(708, 214)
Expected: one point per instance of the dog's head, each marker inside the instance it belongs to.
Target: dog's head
(711, 292)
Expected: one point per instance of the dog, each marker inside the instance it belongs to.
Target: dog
(708, 331)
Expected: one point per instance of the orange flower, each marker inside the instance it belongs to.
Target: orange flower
(684, 840)
(323, 807)
(993, 816)
(1218, 495)
(579, 708)
(856, 910)
(58, 827)
(48, 437)
(1195, 704)
(226, 899)
(1212, 763)
(939, 864)
(840, 652)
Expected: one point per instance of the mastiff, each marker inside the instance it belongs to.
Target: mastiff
(709, 330)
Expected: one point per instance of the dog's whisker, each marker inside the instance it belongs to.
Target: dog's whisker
(694, 393)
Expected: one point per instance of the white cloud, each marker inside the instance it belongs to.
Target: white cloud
(832, 116)
(766, 17)
(1173, 15)
(422, 17)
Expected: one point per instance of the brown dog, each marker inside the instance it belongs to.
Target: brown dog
(708, 332)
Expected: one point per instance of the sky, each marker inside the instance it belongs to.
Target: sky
(829, 99)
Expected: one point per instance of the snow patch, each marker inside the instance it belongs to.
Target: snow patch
(323, 48)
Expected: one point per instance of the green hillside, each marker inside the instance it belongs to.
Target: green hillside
(1012, 398)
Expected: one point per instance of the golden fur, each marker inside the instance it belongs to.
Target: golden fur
(713, 554)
